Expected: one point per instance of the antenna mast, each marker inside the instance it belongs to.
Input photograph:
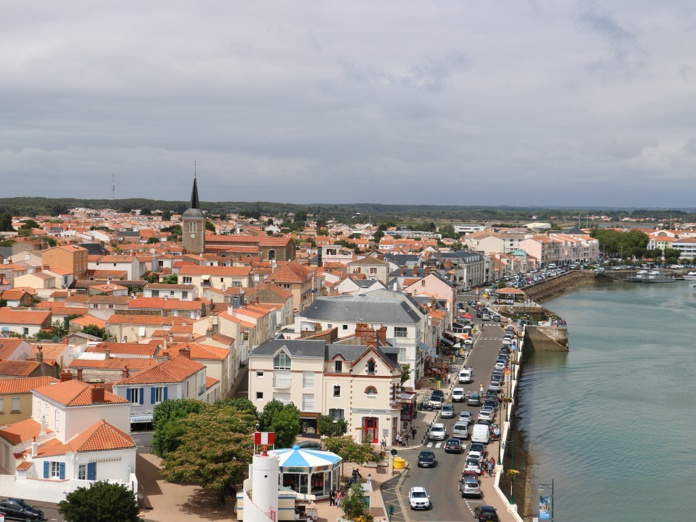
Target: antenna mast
(113, 186)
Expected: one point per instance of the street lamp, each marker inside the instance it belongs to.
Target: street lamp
(546, 502)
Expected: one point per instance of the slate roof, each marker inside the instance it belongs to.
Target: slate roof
(296, 348)
(371, 307)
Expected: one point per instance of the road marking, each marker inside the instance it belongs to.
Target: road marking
(430, 445)
(438, 445)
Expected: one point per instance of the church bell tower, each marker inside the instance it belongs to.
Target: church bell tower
(193, 224)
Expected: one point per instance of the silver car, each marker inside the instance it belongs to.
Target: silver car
(447, 411)
(469, 486)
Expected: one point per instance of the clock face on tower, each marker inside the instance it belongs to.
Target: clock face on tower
(193, 236)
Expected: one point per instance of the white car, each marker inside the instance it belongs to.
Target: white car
(418, 498)
(437, 432)
(458, 395)
(465, 416)
(465, 375)
(487, 415)
(499, 366)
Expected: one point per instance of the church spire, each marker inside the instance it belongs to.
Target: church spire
(194, 193)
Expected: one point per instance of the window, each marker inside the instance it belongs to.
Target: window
(373, 270)
(56, 425)
(82, 472)
(236, 284)
(259, 373)
(157, 395)
(259, 396)
(400, 331)
(338, 366)
(345, 326)
(2, 406)
(371, 391)
(337, 391)
(55, 469)
(187, 280)
(15, 405)
(371, 367)
(308, 379)
(336, 413)
(26, 331)
(281, 362)
(133, 395)
(307, 402)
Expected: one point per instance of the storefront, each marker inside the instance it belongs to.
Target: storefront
(309, 472)
(370, 428)
(373, 425)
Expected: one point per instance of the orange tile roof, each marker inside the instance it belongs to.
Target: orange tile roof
(86, 320)
(147, 320)
(75, 393)
(101, 436)
(210, 382)
(113, 363)
(17, 368)
(8, 345)
(22, 431)
(147, 349)
(24, 385)
(175, 369)
(214, 270)
(10, 316)
(200, 351)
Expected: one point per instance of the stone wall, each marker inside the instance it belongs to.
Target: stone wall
(546, 338)
(560, 285)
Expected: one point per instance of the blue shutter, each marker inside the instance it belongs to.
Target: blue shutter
(152, 395)
(165, 393)
(128, 394)
(142, 392)
(92, 471)
(62, 471)
(47, 468)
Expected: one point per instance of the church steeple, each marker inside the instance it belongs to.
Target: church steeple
(194, 193)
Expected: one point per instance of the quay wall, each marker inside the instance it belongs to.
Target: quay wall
(560, 285)
(546, 338)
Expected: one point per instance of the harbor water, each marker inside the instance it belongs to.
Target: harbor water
(612, 422)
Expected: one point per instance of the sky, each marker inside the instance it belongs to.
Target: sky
(453, 102)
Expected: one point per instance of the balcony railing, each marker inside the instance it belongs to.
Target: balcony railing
(282, 382)
(307, 405)
(308, 383)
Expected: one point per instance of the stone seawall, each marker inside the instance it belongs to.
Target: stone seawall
(546, 338)
(560, 285)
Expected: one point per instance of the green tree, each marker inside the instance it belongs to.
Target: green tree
(166, 215)
(327, 426)
(354, 504)
(241, 403)
(171, 279)
(216, 448)
(50, 241)
(153, 241)
(672, 254)
(100, 502)
(286, 426)
(349, 450)
(166, 423)
(448, 231)
(93, 329)
(405, 372)
(209, 225)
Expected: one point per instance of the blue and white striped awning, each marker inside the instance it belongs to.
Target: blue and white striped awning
(141, 418)
(296, 460)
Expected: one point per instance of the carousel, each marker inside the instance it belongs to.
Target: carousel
(309, 472)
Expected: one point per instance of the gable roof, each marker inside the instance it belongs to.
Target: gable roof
(22, 431)
(176, 369)
(75, 393)
(24, 385)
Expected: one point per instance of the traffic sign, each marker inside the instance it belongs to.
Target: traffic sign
(394, 452)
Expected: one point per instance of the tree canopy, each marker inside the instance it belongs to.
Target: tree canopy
(349, 450)
(281, 419)
(101, 502)
(215, 448)
(327, 426)
(166, 423)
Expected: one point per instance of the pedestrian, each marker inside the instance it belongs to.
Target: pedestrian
(413, 432)
(490, 469)
(406, 440)
(339, 498)
(369, 479)
(384, 444)
(492, 462)
(332, 498)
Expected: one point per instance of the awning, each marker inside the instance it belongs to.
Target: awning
(447, 341)
(141, 419)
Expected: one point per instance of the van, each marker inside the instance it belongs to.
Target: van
(480, 433)
(461, 430)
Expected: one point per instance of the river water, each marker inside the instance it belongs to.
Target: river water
(612, 422)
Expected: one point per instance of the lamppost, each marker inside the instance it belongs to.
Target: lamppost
(546, 503)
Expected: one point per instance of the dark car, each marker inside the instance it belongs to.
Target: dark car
(310, 444)
(453, 446)
(16, 508)
(426, 459)
(485, 514)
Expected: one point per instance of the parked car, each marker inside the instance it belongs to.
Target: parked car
(426, 459)
(460, 430)
(458, 395)
(310, 444)
(485, 514)
(469, 486)
(454, 446)
(18, 509)
(447, 411)
(465, 416)
(437, 397)
(486, 414)
(472, 466)
(437, 432)
(418, 498)
(495, 432)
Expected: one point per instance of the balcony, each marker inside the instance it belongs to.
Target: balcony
(282, 382)
(307, 405)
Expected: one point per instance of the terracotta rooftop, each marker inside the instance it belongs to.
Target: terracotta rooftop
(17, 368)
(10, 316)
(24, 385)
(22, 431)
(176, 369)
(75, 393)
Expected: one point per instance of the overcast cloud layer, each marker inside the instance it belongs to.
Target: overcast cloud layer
(512, 102)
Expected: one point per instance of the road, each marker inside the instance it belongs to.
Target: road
(441, 481)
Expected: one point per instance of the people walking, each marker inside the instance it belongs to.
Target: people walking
(413, 432)
(383, 442)
(406, 439)
(339, 498)
(332, 498)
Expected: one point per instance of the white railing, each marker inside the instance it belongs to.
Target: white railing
(282, 382)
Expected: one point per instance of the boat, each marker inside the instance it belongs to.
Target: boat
(650, 276)
(691, 276)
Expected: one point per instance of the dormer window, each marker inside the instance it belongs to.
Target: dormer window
(371, 367)
(281, 361)
(338, 366)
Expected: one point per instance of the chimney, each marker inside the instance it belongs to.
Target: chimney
(107, 354)
(382, 335)
(97, 393)
(125, 373)
(185, 351)
(402, 270)
(66, 375)
(34, 447)
(79, 374)
(39, 354)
